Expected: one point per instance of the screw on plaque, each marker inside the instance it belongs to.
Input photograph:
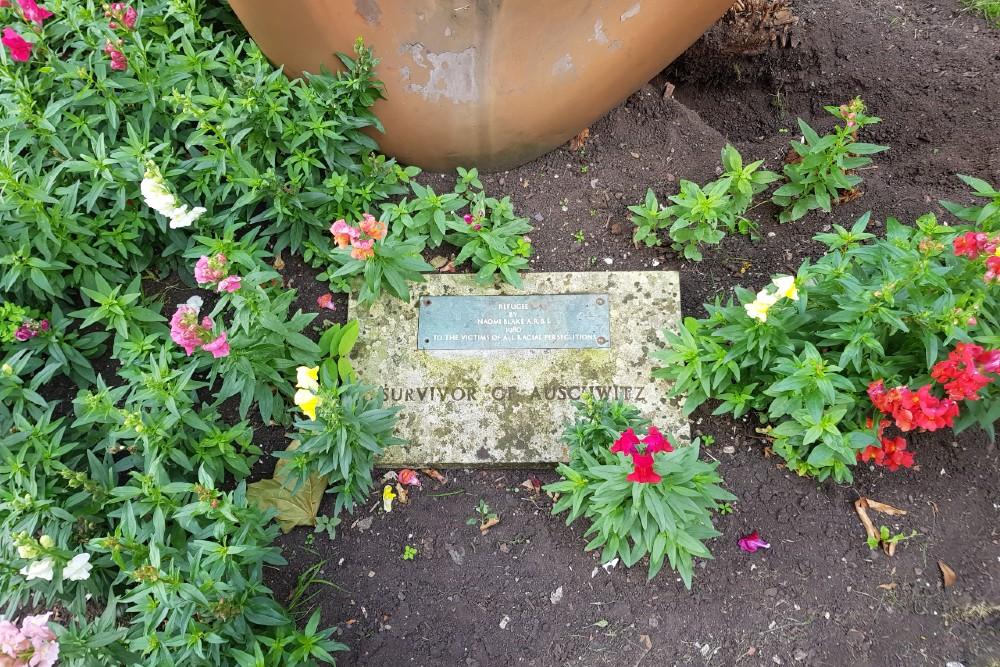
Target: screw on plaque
(427, 302)
(601, 340)
(600, 302)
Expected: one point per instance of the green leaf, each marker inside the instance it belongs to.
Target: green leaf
(349, 337)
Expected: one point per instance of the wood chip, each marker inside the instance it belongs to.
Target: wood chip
(888, 587)
(646, 642)
(947, 574)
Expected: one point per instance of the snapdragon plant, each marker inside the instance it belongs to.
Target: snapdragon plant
(656, 502)
(871, 312)
(825, 169)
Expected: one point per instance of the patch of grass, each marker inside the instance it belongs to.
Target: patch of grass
(988, 8)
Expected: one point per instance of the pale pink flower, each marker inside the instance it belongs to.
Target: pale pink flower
(210, 269)
(229, 284)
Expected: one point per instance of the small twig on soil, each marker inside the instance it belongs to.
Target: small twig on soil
(446, 493)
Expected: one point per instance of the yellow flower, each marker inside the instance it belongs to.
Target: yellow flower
(388, 495)
(307, 378)
(307, 402)
(46, 541)
(786, 287)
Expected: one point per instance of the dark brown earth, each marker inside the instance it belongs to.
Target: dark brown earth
(819, 596)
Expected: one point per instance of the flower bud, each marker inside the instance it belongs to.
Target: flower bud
(8, 370)
(27, 551)
(46, 541)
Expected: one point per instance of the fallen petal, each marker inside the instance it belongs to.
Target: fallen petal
(408, 477)
(752, 542)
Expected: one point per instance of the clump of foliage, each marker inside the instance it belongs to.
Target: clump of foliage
(703, 215)
(828, 360)
(990, 9)
(825, 169)
(142, 141)
(641, 497)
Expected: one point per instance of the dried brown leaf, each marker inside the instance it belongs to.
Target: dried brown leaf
(279, 263)
(294, 509)
(577, 142)
(434, 474)
(947, 574)
(883, 508)
(401, 495)
(861, 507)
(646, 642)
(489, 523)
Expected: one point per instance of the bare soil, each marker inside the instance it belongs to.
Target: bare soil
(525, 592)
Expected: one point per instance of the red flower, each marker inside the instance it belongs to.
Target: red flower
(20, 49)
(970, 244)
(892, 454)
(643, 472)
(752, 542)
(33, 12)
(626, 443)
(992, 269)
(913, 410)
(655, 442)
(962, 372)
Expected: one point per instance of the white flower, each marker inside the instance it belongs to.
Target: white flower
(156, 194)
(158, 197)
(79, 568)
(39, 569)
(182, 217)
(195, 302)
(786, 287)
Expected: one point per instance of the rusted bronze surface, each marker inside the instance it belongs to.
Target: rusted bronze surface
(487, 83)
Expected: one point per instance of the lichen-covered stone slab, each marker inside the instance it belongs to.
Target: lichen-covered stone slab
(508, 407)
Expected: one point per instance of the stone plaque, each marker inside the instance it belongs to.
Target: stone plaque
(494, 402)
(536, 321)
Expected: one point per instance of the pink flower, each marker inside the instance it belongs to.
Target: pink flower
(343, 233)
(210, 269)
(218, 347)
(467, 218)
(43, 325)
(229, 284)
(750, 543)
(122, 12)
(184, 328)
(33, 12)
(37, 627)
(363, 250)
(20, 49)
(326, 301)
(371, 227)
(119, 62)
(992, 269)
(23, 333)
